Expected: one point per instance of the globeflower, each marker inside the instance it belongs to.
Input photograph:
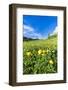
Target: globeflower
(43, 51)
(28, 53)
(47, 51)
(43, 54)
(39, 51)
(51, 62)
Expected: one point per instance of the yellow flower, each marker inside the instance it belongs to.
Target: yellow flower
(43, 51)
(28, 53)
(47, 51)
(39, 51)
(43, 54)
(51, 62)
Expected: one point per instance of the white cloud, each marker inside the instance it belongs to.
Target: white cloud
(28, 28)
(31, 32)
(55, 31)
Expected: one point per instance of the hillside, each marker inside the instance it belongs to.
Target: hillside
(52, 36)
(51, 41)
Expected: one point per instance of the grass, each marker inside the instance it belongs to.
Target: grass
(40, 56)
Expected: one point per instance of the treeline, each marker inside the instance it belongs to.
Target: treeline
(27, 39)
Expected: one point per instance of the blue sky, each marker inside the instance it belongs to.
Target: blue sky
(39, 26)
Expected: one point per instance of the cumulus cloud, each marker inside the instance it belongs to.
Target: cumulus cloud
(28, 28)
(31, 32)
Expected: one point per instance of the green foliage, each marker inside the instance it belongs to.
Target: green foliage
(40, 56)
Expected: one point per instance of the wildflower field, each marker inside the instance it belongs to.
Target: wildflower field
(40, 56)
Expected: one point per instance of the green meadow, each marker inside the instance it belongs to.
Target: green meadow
(40, 56)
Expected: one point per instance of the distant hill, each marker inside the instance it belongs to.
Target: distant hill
(52, 36)
(26, 39)
(49, 37)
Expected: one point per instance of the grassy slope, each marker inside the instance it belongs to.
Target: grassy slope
(51, 42)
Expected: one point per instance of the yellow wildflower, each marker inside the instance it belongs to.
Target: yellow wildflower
(43, 54)
(43, 51)
(51, 62)
(28, 53)
(47, 50)
(39, 51)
